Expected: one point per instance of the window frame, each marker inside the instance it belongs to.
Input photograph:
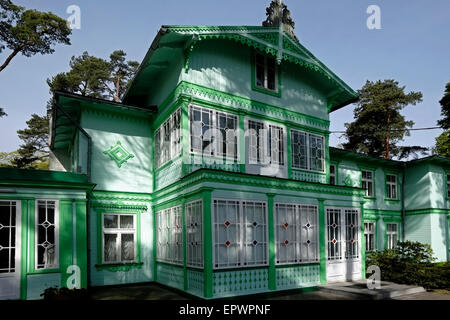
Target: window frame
(265, 153)
(389, 183)
(199, 264)
(447, 184)
(277, 81)
(56, 235)
(214, 124)
(370, 232)
(308, 150)
(119, 243)
(390, 233)
(368, 180)
(173, 149)
(241, 236)
(171, 214)
(335, 175)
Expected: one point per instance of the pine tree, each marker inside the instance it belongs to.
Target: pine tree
(443, 141)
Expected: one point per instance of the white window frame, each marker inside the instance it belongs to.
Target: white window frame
(334, 175)
(265, 150)
(215, 129)
(169, 229)
(390, 185)
(119, 231)
(308, 150)
(265, 86)
(166, 151)
(390, 234)
(370, 233)
(365, 183)
(448, 184)
(56, 235)
(194, 254)
(241, 236)
(296, 238)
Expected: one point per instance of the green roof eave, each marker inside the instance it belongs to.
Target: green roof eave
(266, 39)
(44, 178)
(336, 153)
(434, 159)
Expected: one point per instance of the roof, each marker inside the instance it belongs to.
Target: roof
(271, 40)
(38, 178)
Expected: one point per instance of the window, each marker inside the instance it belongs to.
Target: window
(169, 236)
(168, 139)
(240, 234)
(308, 151)
(194, 233)
(266, 73)
(266, 143)
(213, 132)
(369, 236)
(448, 185)
(391, 186)
(367, 182)
(296, 233)
(392, 235)
(46, 235)
(8, 246)
(119, 238)
(332, 174)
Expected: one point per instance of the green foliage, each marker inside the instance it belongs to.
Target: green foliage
(442, 147)
(445, 108)
(2, 113)
(54, 293)
(29, 31)
(379, 126)
(33, 153)
(6, 159)
(411, 263)
(96, 77)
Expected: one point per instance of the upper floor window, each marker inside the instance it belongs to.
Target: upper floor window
(46, 235)
(308, 151)
(168, 139)
(213, 132)
(367, 182)
(332, 174)
(448, 185)
(266, 76)
(119, 238)
(391, 186)
(266, 143)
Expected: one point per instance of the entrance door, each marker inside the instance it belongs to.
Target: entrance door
(343, 244)
(9, 250)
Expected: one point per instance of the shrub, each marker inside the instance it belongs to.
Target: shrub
(411, 263)
(54, 293)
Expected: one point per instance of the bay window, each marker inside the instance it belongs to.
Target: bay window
(308, 151)
(194, 233)
(266, 143)
(168, 139)
(169, 235)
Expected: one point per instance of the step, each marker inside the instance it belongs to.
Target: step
(358, 289)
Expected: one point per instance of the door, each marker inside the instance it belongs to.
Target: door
(343, 241)
(9, 250)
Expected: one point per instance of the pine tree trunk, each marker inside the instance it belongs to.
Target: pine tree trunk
(117, 96)
(12, 55)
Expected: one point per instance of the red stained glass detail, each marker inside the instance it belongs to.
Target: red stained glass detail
(286, 225)
(227, 223)
(334, 241)
(351, 226)
(352, 241)
(286, 242)
(227, 243)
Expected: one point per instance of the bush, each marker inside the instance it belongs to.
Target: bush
(54, 293)
(411, 263)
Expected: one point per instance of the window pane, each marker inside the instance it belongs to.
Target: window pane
(110, 245)
(110, 221)
(126, 222)
(127, 247)
(299, 156)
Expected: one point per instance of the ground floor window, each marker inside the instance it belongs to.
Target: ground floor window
(7, 236)
(46, 234)
(194, 233)
(240, 233)
(392, 235)
(169, 235)
(296, 233)
(369, 236)
(119, 238)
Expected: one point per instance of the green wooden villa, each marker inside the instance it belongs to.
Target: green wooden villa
(213, 176)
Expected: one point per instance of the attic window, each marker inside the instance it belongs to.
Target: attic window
(266, 73)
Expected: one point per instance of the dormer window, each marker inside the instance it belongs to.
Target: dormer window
(266, 74)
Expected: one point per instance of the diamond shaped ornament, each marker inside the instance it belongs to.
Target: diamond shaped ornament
(118, 154)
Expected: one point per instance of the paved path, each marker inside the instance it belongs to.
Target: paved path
(153, 291)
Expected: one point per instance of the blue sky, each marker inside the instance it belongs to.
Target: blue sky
(412, 47)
